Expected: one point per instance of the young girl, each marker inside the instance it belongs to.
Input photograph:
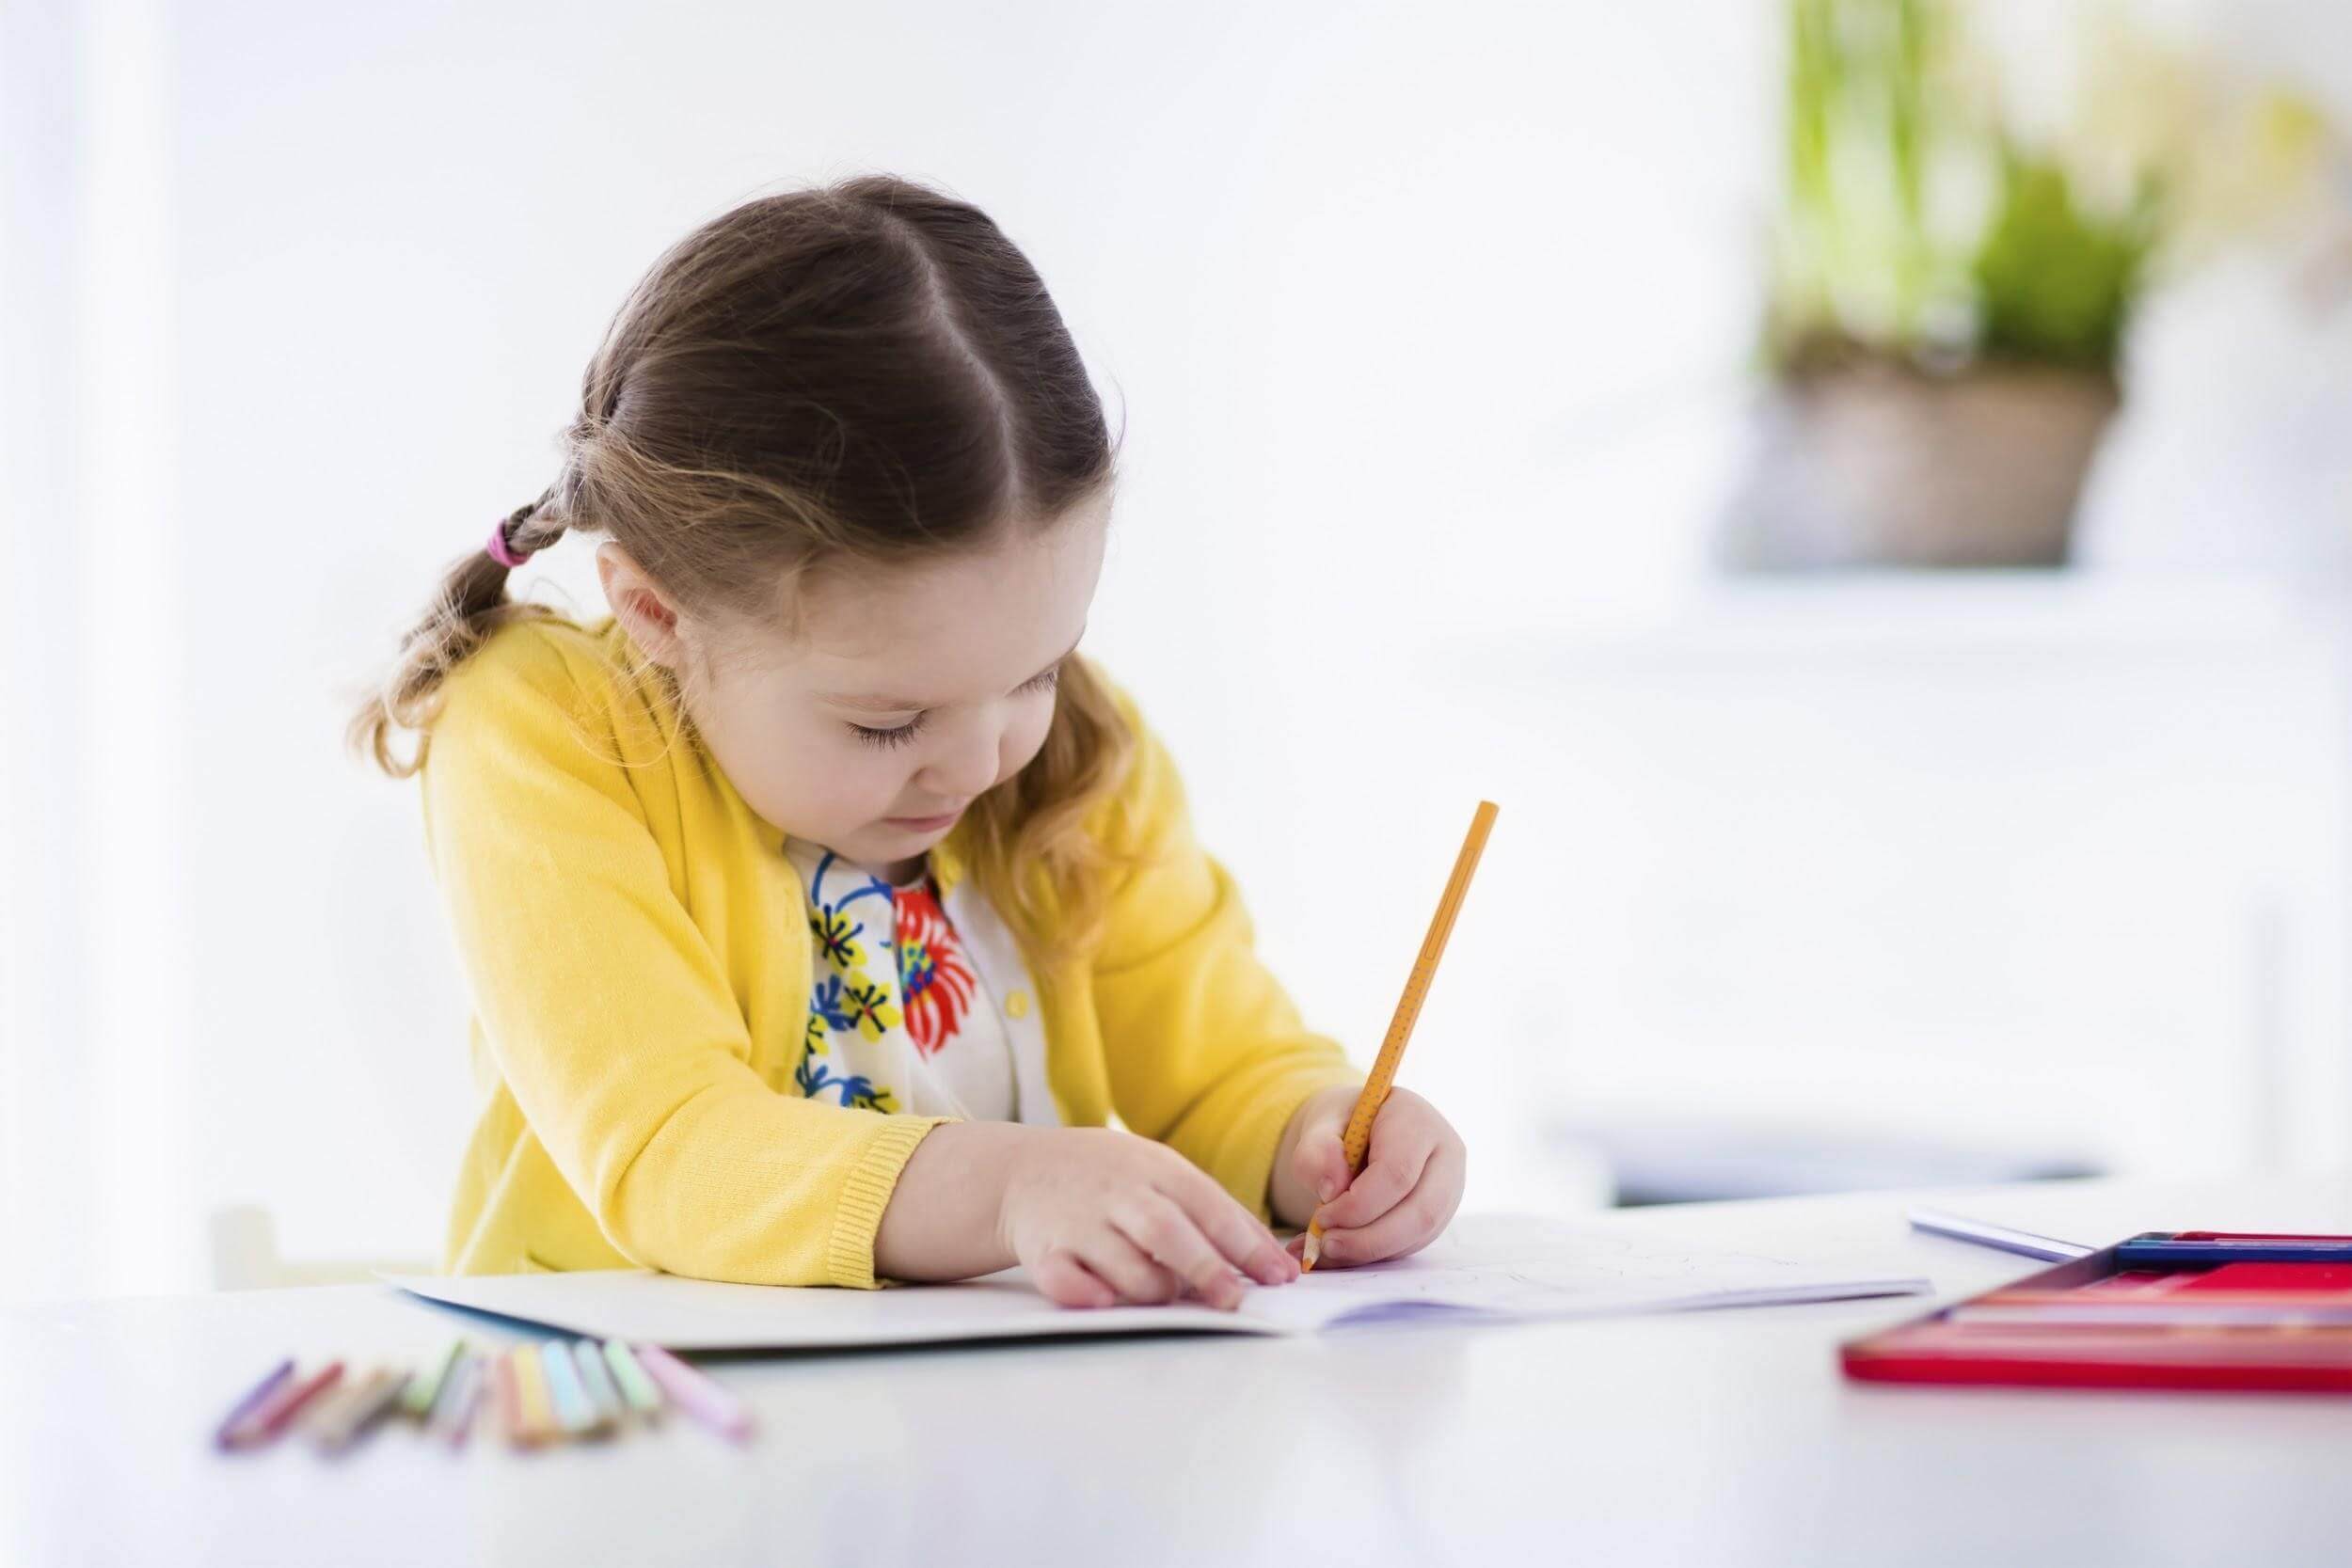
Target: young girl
(819, 905)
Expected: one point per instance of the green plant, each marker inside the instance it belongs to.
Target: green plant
(2055, 283)
(1918, 224)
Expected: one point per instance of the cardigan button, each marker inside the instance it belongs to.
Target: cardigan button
(1017, 1005)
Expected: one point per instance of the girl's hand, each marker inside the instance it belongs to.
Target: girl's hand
(1101, 1216)
(1408, 1191)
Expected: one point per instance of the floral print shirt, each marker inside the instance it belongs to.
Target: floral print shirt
(899, 1016)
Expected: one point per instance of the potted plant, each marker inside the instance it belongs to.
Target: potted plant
(1953, 286)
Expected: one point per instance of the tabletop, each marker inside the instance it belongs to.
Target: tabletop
(1720, 1437)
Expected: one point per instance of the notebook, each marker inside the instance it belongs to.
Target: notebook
(1490, 1268)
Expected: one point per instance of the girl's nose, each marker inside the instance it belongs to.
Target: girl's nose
(965, 770)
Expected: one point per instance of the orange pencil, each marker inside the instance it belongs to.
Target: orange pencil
(1356, 1141)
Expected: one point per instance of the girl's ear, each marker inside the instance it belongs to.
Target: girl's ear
(644, 611)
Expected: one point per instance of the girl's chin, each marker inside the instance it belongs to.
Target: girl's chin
(920, 827)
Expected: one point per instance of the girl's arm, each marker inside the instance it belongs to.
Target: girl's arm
(1207, 1051)
(610, 1016)
(1097, 1215)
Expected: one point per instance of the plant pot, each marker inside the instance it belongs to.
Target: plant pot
(1876, 463)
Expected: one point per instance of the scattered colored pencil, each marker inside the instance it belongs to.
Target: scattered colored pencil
(416, 1400)
(271, 1416)
(251, 1401)
(531, 1382)
(696, 1394)
(461, 1396)
(640, 1390)
(510, 1399)
(339, 1425)
(1356, 1141)
(575, 1413)
(597, 1378)
(543, 1392)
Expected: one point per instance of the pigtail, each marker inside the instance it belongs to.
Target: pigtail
(471, 605)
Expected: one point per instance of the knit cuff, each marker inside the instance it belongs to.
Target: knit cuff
(850, 1251)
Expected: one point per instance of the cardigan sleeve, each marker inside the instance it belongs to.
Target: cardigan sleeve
(1205, 1049)
(608, 1011)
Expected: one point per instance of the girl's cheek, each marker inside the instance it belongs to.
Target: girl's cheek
(1026, 740)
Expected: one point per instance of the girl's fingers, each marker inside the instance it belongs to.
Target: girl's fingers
(1232, 1230)
(1321, 1165)
(1411, 1225)
(1164, 1230)
(1120, 1262)
(1065, 1281)
(1395, 1171)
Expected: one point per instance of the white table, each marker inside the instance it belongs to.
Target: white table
(1709, 1438)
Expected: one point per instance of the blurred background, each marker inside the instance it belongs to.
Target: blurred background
(1866, 484)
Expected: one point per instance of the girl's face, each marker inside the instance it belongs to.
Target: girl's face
(912, 687)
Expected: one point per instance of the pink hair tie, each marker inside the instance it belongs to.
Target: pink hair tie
(501, 551)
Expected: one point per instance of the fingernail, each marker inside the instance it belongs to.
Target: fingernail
(1330, 1190)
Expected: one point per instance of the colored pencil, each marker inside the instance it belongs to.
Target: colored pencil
(531, 1386)
(461, 1395)
(510, 1399)
(1960, 1227)
(252, 1400)
(416, 1400)
(597, 1379)
(696, 1394)
(643, 1396)
(339, 1425)
(271, 1416)
(1356, 1141)
(574, 1411)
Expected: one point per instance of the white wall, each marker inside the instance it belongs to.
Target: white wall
(1352, 271)
(1427, 322)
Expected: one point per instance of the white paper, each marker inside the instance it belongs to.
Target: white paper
(1517, 1268)
(1495, 1267)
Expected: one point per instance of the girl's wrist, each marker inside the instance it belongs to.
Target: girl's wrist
(945, 1217)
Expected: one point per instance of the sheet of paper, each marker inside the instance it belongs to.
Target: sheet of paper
(1496, 1266)
(1519, 1267)
(699, 1314)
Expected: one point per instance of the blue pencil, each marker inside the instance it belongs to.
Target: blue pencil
(573, 1410)
(598, 1380)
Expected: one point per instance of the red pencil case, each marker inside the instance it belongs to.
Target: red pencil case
(2094, 1322)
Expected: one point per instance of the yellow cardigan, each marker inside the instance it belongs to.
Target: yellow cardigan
(636, 944)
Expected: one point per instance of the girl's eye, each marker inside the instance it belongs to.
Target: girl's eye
(908, 731)
(898, 736)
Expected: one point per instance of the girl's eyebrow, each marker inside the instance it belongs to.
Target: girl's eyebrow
(906, 704)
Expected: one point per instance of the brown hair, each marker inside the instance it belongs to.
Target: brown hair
(858, 372)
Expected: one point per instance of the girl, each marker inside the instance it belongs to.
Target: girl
(819, 905)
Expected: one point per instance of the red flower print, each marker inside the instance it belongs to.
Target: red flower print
(934, 982)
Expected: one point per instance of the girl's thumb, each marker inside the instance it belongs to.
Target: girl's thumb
(1326, 1167)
